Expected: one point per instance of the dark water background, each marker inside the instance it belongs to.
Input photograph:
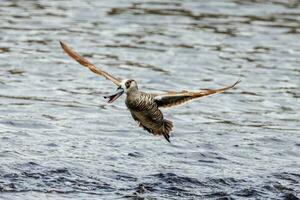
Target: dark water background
(59, 139)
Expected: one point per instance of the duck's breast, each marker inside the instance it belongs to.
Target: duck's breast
(144, 110)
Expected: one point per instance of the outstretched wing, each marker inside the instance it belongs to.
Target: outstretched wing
(171, 99)
(89, 65)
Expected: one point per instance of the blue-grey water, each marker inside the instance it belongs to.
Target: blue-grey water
(59, 139)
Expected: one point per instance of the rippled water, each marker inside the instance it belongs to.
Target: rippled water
(59, 139)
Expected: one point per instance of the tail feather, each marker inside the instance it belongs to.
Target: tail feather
(164, 130)
(167, 128)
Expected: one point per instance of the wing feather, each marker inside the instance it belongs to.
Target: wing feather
(89, 65)
(171, 99)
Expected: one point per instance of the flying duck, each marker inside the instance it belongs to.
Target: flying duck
(145, 107)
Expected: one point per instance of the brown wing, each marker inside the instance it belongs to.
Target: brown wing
(87, 64)
(171, 99)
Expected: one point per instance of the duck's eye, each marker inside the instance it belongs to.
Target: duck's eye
(127, 84)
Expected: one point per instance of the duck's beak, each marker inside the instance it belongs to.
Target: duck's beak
(111, 98)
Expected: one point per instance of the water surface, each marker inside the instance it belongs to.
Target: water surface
(59, 139)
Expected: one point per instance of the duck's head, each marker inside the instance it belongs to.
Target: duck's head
(126, 86)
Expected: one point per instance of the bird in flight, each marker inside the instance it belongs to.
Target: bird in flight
(145, 107)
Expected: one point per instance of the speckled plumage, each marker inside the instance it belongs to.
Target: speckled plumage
(145, 111)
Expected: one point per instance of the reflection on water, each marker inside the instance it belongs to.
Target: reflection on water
(59, 139)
